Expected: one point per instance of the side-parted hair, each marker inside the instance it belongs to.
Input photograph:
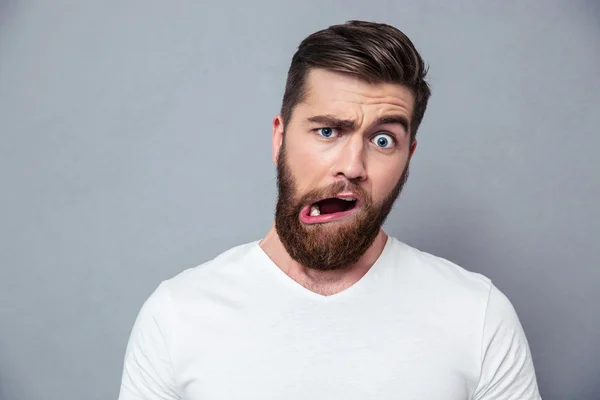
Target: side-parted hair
(373, 52)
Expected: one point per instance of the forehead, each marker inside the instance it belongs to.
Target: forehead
(344, 95)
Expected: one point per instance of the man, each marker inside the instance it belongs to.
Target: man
(327, 306)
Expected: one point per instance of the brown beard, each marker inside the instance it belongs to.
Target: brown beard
(334, 245)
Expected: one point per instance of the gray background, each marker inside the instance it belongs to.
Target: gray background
(135, 143)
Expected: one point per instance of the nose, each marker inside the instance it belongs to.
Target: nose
(351, 160)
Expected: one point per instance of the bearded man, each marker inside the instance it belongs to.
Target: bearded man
(327, 305)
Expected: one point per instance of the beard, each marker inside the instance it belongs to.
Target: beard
(333, 245)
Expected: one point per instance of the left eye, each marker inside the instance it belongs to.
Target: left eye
(383, 140)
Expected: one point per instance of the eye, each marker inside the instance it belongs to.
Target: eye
(326, 132)
(383, 140)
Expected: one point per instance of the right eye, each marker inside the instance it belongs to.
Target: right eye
(326, 132)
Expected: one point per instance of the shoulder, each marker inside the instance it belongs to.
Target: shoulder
(184, 291)
(223, 269)
(468, 298)
(439, 275)
(475, 317)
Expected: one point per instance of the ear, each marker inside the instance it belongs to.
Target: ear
(277, 138)
(413, 147)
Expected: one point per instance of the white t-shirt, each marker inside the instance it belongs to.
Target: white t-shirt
(414, 327)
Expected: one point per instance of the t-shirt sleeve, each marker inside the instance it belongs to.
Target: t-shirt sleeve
(507, 371)
(148, 369)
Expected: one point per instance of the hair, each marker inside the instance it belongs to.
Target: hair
(373, 52)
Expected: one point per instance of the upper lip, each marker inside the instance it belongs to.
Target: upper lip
(343, 195)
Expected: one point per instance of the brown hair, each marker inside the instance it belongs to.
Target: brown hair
(374, 52)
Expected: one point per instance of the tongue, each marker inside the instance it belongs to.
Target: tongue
(330, 206)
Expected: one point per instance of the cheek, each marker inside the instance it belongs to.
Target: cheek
(307, 167)
(384, 178)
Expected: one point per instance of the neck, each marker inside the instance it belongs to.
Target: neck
(322, 282)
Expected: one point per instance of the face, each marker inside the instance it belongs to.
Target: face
(341, 163)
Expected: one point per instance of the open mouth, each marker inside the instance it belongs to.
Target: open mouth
(329, 209)
(331, 206)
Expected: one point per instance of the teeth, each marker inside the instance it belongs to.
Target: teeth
(314, 211)
(347, 198)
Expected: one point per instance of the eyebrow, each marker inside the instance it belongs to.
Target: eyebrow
(334, 122)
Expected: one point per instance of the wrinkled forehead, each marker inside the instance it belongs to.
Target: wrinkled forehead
(345, 95)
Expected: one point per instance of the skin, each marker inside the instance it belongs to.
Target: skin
(350, 153)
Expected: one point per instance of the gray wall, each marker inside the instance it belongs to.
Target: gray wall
(135, 143)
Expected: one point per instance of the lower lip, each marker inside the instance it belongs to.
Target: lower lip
(308, 219)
